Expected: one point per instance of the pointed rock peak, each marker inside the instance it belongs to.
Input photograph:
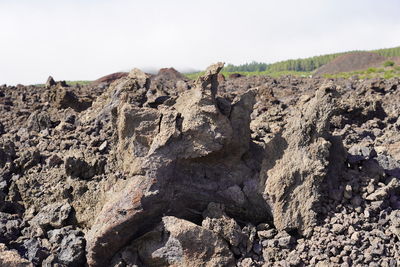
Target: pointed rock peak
(210, 77)
(142, 78)
(214, 69)
(137, 74)
(50, 82)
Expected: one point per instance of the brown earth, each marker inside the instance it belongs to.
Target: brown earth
(352, 62)
(109, 78)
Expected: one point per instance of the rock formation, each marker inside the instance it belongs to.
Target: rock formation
(159, 170)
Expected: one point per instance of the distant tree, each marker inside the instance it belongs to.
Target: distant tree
(305, 64)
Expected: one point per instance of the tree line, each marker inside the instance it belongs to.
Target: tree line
(303, 64)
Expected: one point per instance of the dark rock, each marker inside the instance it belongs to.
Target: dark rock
(63, 98)
(77, 167)
(39, 121)
(10, 227)
(35, 251)
(390, 165)
(50, 82)
(358, 153)
(28, 159)
(70, 246)
(53, 216)
(54, 160)
(235, 75)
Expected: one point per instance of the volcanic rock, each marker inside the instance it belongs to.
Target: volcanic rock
(181, 243)
(281, 171)
(298, 163)
(11, 258)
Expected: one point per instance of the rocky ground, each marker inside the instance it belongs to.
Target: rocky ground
(158, 170)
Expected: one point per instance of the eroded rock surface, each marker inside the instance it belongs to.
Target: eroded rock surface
(298, 163)
(159, 170)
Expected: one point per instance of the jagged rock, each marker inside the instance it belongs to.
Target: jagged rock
(77, 167)
(130, 89)
(70, 246)
(2, 130)
(210, 78)
(383, 192)
(176, 242)
(54, 160)
(395, 223)
(62, 98)
(172, 148)
(39, 121)
(390, 165)
(297, 163)
(11, 258)
(50, 82)
(7, 153)
(28, 159)
(34, 250)
(358, 153)
(174, 152)
(10, 227)
(217, 221)
(52, 216)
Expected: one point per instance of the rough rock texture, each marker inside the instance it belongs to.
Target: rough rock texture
(178, 242)
(11, 258)
(161, 170)
(173, 154)
(298, 163)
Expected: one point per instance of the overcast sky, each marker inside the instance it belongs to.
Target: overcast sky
(86, 39)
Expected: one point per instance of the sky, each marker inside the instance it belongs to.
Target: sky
(87, 39)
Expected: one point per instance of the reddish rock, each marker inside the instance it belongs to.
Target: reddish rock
(235, 75)
(110, 78)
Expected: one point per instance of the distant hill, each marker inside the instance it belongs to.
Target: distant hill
(351, 62)
(304, 64)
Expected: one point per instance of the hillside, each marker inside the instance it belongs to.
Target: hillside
(351, 62)
(304, 64)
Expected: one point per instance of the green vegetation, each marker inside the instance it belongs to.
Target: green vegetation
(388, 52)
(305, 67)
(388, 63)
(74, 83)
(302, 65)
(305, 64)
(248, 67)
(69, 83)
(369, 73)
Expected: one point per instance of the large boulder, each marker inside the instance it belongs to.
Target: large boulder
(297, 162)
(177, 242)
(52, 216)
(177, 158)
(69, 245)
(63, 98)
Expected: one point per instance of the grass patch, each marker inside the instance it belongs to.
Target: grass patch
(369, 73)
(74, 83)
(388, 63)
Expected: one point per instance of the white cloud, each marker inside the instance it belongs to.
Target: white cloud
(86, 39)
